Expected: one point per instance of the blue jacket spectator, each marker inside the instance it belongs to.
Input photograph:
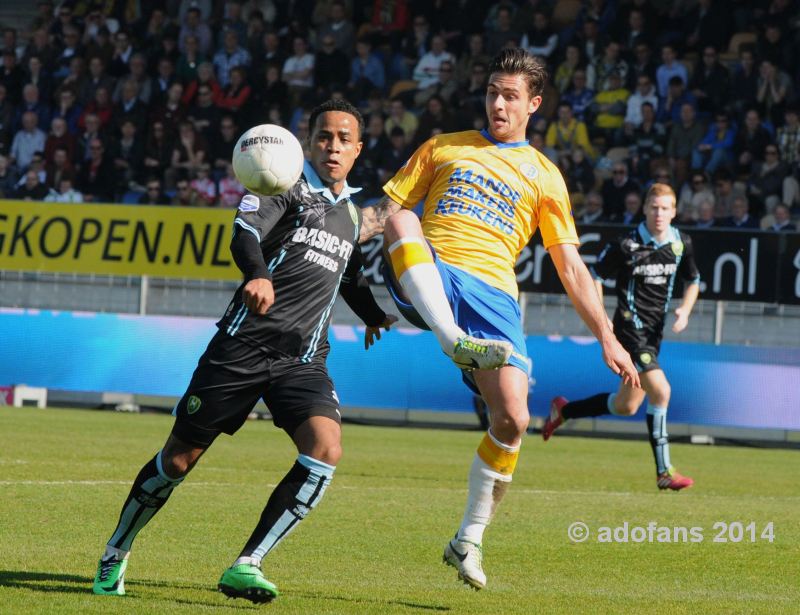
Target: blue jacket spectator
(716, 148)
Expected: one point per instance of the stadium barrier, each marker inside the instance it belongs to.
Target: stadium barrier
(724, 391)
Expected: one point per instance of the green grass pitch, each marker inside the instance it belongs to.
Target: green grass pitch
(374, 545)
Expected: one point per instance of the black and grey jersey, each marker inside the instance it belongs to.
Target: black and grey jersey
(306, 242)
(645, 273)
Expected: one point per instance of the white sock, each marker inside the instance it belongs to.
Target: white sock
(486, 490)
(423, 286)
(115, 553)
(253, 561)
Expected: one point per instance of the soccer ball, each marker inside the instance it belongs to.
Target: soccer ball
(267, 159)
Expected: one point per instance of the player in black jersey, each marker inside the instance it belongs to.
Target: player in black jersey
(296, 251)
(645, 263)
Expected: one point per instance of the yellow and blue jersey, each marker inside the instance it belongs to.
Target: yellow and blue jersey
(483, 200)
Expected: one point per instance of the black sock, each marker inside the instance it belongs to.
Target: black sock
(148, 494)
(597, 405)
(299, 491)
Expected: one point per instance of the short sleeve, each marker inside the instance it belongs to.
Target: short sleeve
(555, 213)
(411, 183)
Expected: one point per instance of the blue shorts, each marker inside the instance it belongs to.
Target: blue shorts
(481, 310)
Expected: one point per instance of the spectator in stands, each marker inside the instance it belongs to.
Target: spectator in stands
(158, 150)
(204, 114)
(475, 54)
(669, 108)
(579, 97)
(710, 83)
(395, 156)
(236, 94)
(233, 19)
(744, 83)
(647, 144)
(205, 76)
(97, 78)
(222, 145)
(39, 76)
(41, 47)
(331, 65)
(593, 210)
(366, 72)
(708, 22)
(6, 121)
(161, 82)
(153, 194)
(233, 54)
(230, 190)
(193, 25)
(632, 214)
(376, 145)
(61, 166)
(598, 72)
(400, 117)
(540, 40)
(12, 76)
(502, 32)
(203, 187)
(670, 67)
(774, 89)
(69, 110)
(339, 27)
(616, 188)
(724, 193)
(770, 182)
(138, 74)
(645, 93)
(65, 193)
(185, 195)
(578, 172)
(127, 154)
(100, 45)
(32, 189)
(591, 40)
(782, 221)
(93, 130)
(435, 119)
(8, 178)
(773, 46)
(692, 193)
(96, 178)
(567, 133)
(608, 109)
(637, 28)
(415, 43)
(269, 93)
(470, 99)
(72, 49)
(189, 153)
(130, 106)
(788, 138)
(59, 137)
(298, 71)
(715, 150)
(740, 215)
(705, 215)
(189, 60)
(123, 53)
(270, 51)
(562, 78)
(27, 141)
(750, 142)
(445, 86)
(101, 106)
(31, 102)
(684, 136)
(642, 63)
(426, 72)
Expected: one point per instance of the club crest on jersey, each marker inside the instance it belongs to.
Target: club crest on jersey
(646, 358)
(193, 404)
(528, 170)
(249, 202)
(677, 247)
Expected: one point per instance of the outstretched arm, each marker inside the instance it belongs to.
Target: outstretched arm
(374, 218)
(583, 293)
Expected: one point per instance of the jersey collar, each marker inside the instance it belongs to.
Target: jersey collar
(315, 185)
(672, 235)
(485, 134)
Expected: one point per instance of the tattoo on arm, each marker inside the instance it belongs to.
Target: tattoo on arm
(374, 218)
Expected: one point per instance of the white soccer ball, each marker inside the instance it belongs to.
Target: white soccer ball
(267, 159)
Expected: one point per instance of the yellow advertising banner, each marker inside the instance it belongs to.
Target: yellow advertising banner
(175, 242)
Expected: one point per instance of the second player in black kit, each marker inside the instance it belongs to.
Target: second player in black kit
(646, 263)
(296, 251)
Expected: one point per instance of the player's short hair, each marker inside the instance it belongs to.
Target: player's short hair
(657, 190)
(336, 105)
(517, 61)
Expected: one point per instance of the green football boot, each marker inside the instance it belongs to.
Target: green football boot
(247, 581)
(110, 577)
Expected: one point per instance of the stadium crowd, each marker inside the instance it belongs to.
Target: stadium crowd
(142, 102)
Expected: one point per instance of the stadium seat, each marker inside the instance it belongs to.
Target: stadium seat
(739, 39)
(565, 12)
(405, 85)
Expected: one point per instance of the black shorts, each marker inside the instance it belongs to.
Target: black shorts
(642, 344)
(230, 378)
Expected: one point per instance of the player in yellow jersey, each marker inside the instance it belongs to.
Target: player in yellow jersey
(485, 194)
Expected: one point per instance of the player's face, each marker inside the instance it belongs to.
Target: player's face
(660, 212)
(508, 106)
(335, 144)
